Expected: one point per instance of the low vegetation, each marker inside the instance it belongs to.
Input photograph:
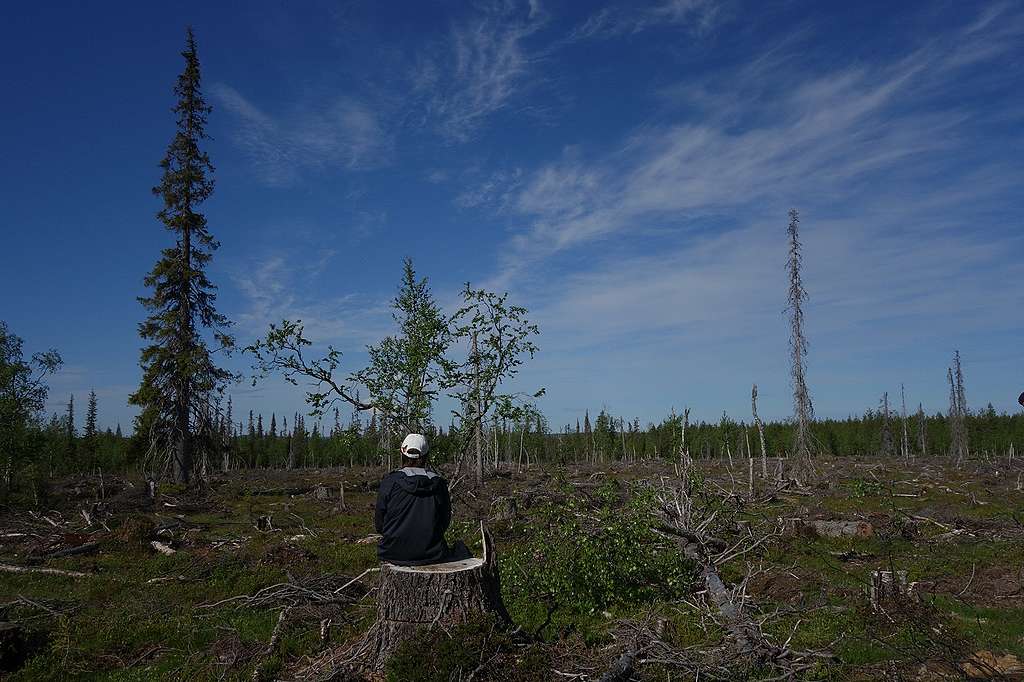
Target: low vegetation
(193, 583)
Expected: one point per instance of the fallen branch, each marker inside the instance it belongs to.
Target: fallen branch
(691, 520)
(275, 638)
(316, 590)
(87, 548)
(7, 568)
(166, 550)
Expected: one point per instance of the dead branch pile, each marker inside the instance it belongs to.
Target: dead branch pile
(325, 589)
(695, 517)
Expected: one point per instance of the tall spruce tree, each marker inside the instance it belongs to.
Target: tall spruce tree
(70, 442)
(91, 440)
(179, 374)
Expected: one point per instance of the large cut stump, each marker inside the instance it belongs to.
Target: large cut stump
(412, 598)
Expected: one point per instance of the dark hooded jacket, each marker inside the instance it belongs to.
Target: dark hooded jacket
(413, 512)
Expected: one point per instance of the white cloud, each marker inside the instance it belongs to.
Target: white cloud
(481, 69)
(807, 140)
(280, 286)
(897, 287)
(671, 244)
(496, 190)
(342, 133)
(699, 16)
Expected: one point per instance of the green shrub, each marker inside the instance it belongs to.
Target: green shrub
(861, 487)
(579, 561)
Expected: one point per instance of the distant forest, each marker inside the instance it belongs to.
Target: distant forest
(58, 446)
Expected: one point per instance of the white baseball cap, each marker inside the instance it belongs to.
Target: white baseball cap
(415, 446)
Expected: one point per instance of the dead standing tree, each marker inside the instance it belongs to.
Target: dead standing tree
(886, 426)
(760, 431)
(803, 410)
(959, 449)
(905, 442)
(922, 431)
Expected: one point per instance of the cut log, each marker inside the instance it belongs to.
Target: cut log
(844, 529)
(414, 598)
(8, 568)
(795, 526)
(86, 548)
(164, 549)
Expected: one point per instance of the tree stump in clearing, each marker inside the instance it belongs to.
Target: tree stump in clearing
(505, 509)
(413, 598)
(887, 586)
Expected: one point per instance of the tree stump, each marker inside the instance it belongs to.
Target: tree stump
(413, 598)
(886, 587)
(505, 509)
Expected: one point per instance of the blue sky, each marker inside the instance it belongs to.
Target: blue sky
(624, 170)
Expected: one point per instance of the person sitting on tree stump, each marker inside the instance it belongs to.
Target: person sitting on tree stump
(414, 511)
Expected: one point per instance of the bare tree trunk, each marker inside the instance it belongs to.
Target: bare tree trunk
(477, 416)
(961, 400)
(802, 407)
(522, 432)
(622, 432)
(684, 454)
(957, 409)
(922, 431)
(906, 437)
(750, 472)
(886, 429)
(760, 432)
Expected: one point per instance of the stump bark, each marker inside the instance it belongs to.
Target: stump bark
(414, 598)
(886, 587)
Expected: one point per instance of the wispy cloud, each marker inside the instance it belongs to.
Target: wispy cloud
(480, 69)
(895, 283)
(340, 133)
(671, 243)
(810, 139)
(496, 191)
(280, 286)
(699, 16)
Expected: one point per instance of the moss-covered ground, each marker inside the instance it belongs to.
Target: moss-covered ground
(579, 558)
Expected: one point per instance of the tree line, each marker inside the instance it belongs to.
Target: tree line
(39, 447)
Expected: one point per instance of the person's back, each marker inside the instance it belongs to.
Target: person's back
(413, 510)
